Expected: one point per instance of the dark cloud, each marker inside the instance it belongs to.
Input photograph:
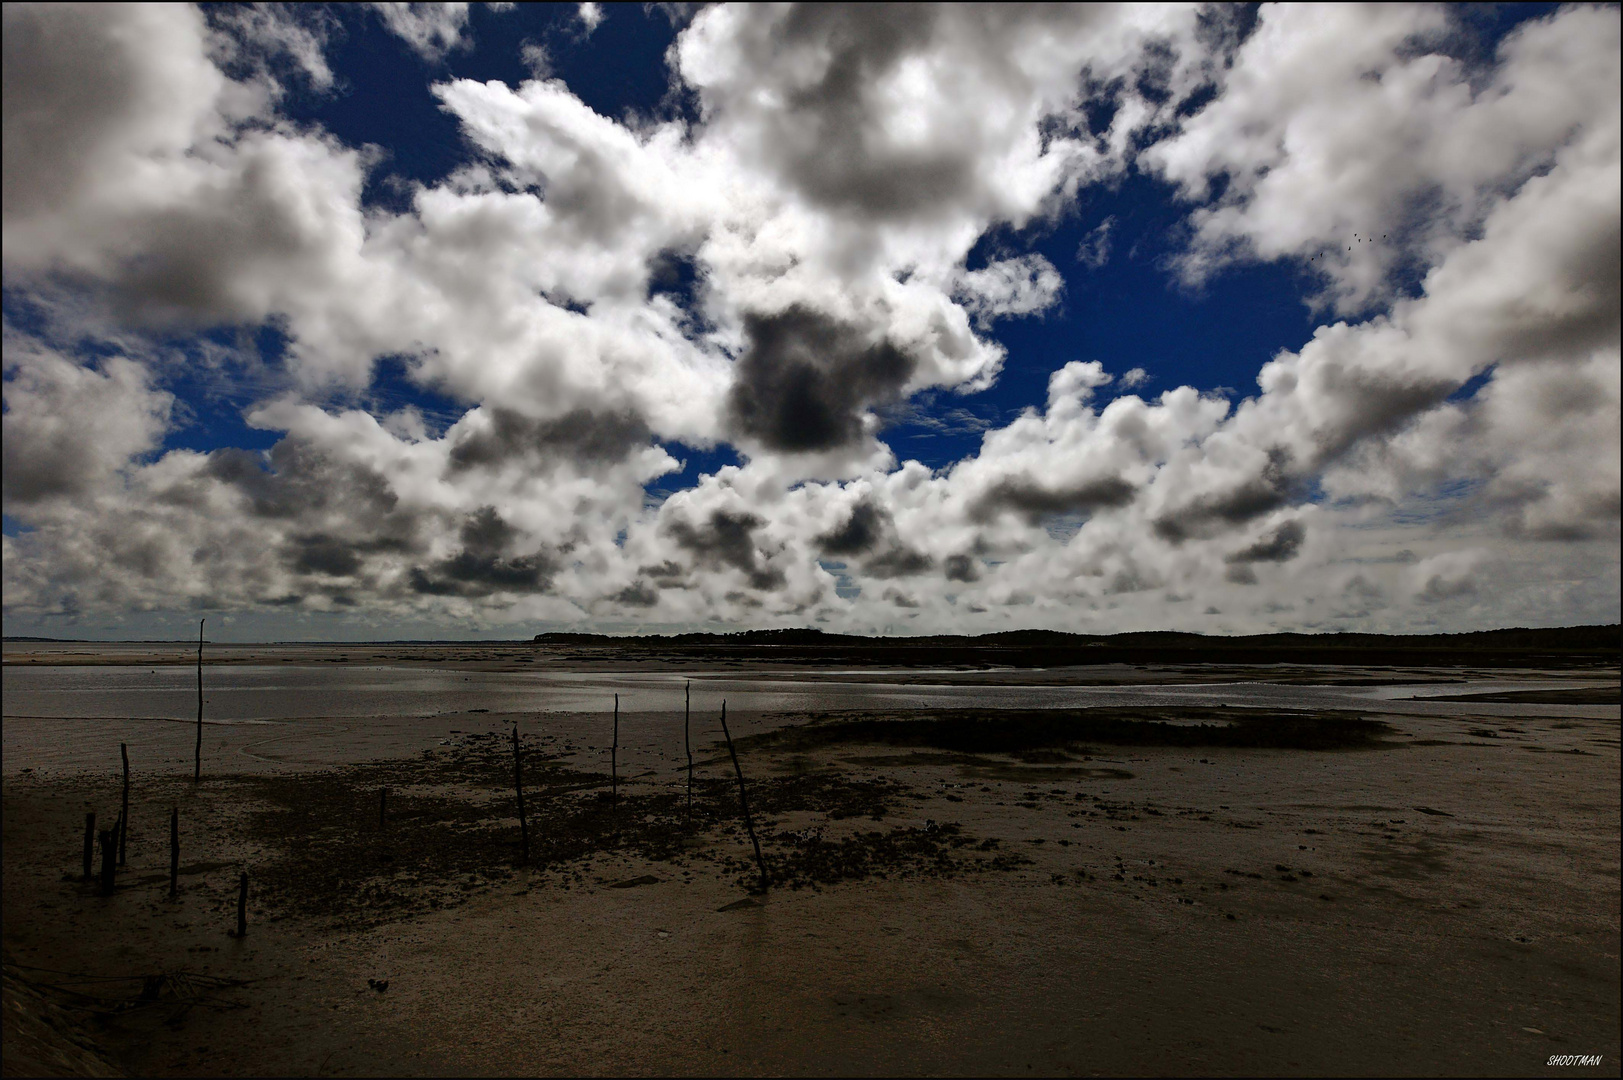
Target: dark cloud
(483, 565)
(962, 568)
(1282, 545)
(334, 556)
(727, 539)
(1240, 574)
(321, 554)
(302, 480)
(637, 594)
(864, 529)
(898, 562)
(582, 436)
(870, 528)
(1371, 405)
(805, 379)
(1245, 502)
(1035, 502)
(665, 574)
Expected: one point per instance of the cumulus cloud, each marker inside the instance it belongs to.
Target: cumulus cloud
(787, 273)
(72, 429)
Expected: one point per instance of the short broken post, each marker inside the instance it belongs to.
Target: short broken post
(687, 740)
(108, 839)
(124, 812)
(90, 844)
(614, 753)
(197, 754)
(743, 797)
(242, 905)
(174, 851)
(518, 786)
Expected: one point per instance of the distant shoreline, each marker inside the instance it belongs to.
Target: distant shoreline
(1588, 636)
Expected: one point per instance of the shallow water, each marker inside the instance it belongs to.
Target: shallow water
(254, 692)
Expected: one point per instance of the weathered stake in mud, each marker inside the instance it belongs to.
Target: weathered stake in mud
(90, 843)
(743, 798)
(518, 786)
(124, 810)
(174, 851)
(109, 859)
(614, 753)
(197, 755)
(242, 905)
(687, 740)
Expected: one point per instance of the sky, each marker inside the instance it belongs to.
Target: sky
(446, 320)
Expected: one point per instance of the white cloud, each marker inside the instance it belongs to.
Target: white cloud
(431, 29)
(792, 267)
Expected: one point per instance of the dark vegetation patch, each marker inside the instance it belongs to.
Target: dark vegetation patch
(1593, 695)
(1028, 733)
(805, 859)
(451, 829)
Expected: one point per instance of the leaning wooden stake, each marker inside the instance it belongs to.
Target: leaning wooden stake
(124, 813)
(687, 740)
(90, 843)
(743, 797)
(242, 905)
(174, 851)
(109, 859)
(197, 756)
(518, 786)
(614, 753)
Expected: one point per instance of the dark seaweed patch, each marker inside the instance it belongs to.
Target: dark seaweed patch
(452, 829)
(1032, 733)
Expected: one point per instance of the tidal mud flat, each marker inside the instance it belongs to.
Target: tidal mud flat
(1105, 890)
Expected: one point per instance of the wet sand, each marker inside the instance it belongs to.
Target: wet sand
(1439, 896)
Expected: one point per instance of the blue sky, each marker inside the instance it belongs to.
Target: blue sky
(488, 320)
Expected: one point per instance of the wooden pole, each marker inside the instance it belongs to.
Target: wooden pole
(518, 786)
(242, 905)
(743, 797)
(197, 757)
(90, 843)
(124, 813)
(614, 753)
(687, 740)
(174, 851)
(109, 859)
(118, 836)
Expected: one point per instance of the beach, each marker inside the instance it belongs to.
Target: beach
(1134, 888)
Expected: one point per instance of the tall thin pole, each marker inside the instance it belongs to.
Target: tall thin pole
(124, 816)
(174, 851)
(687, 740)
(90, 843)
(743, 798)
(518, 785)
(197, 755)
(614, 752)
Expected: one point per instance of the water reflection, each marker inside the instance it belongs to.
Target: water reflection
(261, 693)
